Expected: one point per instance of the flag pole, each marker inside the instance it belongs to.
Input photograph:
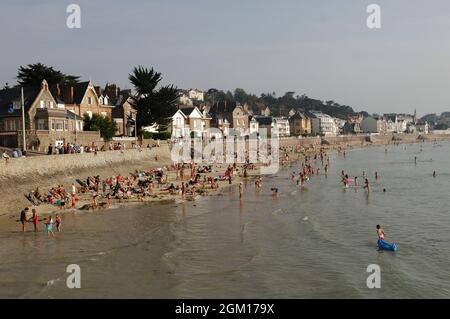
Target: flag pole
(23, 122)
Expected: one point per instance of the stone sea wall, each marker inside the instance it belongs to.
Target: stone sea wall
(48, 165)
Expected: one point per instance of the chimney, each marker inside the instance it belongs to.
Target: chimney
(71, 94)
(58, 91)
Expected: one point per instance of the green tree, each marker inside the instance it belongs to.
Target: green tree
(105, 125)
(153, 104)
(33, 74)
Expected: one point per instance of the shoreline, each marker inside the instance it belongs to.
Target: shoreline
(14, 200)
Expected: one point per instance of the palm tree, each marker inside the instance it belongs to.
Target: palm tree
(152, 104)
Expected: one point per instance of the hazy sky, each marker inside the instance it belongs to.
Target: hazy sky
(321, 48)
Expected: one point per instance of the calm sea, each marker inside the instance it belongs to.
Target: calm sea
(311, 242)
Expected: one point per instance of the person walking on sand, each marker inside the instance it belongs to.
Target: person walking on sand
(6, 157)
(23, 218)
(35, 219)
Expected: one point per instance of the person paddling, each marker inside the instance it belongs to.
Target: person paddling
(380, 232)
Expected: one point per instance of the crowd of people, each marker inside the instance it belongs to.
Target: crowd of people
(73, 148)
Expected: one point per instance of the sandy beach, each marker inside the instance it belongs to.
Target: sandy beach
(15, 188)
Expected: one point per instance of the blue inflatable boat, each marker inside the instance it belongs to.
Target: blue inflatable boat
(386, 246)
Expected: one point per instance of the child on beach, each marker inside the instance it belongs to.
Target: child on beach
(49, 227)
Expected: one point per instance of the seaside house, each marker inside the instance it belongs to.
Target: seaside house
(374, 124)
(196, 95)
(281, 124)
(82, 98)
(299, 124)
(351, 128)
(322, 124)
(263, 110)
(190, 122)
(231, 113)
(264, 123)
(47, 121)
(254, 126)
(124, 114)
(184, 99)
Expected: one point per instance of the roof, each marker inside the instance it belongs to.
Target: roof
(79, 90)
(263, 120)
(11, 95)
(187, 110)
(298, 115)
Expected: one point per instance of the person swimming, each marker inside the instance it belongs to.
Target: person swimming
(380, 232)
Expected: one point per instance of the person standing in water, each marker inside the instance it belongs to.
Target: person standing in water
(415, 160)
(35, 219)
(376, 175)
(241, 190)
(380, 232)
(58, 223)
(23, 218)
(367, 185)
(434, 174)
(49, 227)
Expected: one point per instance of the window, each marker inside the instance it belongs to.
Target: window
(89, 100)
(104, 114)
(41, 104)
(58, 125)
(66, 125)
(105, 101)
(17, 105)
(41, 124)
(100, 100)
(89, 113)
(50, 104)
